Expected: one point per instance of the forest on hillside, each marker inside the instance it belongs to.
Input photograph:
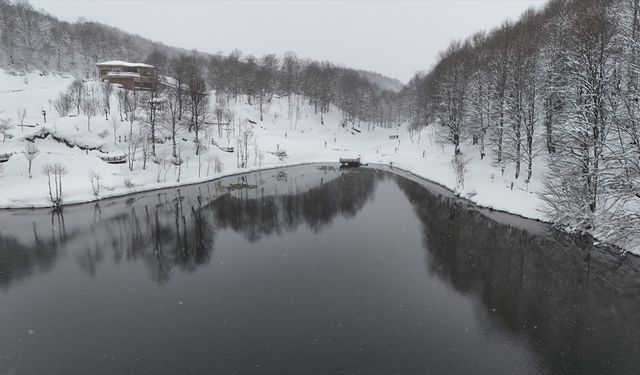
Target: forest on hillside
(34, 40)
(558, 89)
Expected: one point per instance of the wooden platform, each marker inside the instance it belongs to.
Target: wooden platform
(350, 162)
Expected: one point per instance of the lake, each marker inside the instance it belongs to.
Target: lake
(309, 270)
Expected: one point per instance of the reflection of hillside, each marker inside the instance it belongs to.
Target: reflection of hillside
(176, 234)
(175, 229)
(255, 215)
(19, 261)
(575, 304)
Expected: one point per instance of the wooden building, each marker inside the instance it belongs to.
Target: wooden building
(131, 76)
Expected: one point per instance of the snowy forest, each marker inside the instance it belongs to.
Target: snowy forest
(34, 40)
(557, 90)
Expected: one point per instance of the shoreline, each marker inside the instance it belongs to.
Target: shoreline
(383, 166)
(389, 167)
(604, 245)
(174, 185)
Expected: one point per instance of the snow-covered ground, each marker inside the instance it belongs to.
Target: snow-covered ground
(305, 141)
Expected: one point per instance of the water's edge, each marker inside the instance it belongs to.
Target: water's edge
(497, 215)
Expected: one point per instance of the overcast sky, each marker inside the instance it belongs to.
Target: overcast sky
(395, 38)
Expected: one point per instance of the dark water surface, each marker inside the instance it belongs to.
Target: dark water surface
(312, 271)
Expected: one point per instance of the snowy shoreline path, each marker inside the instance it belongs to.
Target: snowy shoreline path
(301, 135)
(494, 194)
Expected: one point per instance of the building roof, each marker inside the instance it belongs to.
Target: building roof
(125, 63)
(123, 74)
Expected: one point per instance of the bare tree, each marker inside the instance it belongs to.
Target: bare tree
(76, 93)
(177, 162)
(63, 104)
(459, 164)
(152, 106)
(115, 125)
(128, 100)
(219, 114)
(291, 69)
(123, 96)
(499, 73)
(134, 143)
(96, 184)
(55, 171)
(161, 163)
(582, 177)
(198, 102)
(31, 151)
(146, 143)
(452, 79)
(22, 113)
(218, 165)
(27, 18)
(265, 80)
(9, 31)
(244, 139)
(160, 60)
(5, 125)
(171, 116)
(90, 106)
(106, 88)
(230, 117)
(179, 68)
(202, 148)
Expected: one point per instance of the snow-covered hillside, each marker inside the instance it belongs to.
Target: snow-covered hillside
(305, 140)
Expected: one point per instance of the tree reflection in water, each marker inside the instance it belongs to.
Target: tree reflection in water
(175, 230)
(19, 260)
(577, 305)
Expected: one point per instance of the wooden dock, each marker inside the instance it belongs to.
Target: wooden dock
(350, 162)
